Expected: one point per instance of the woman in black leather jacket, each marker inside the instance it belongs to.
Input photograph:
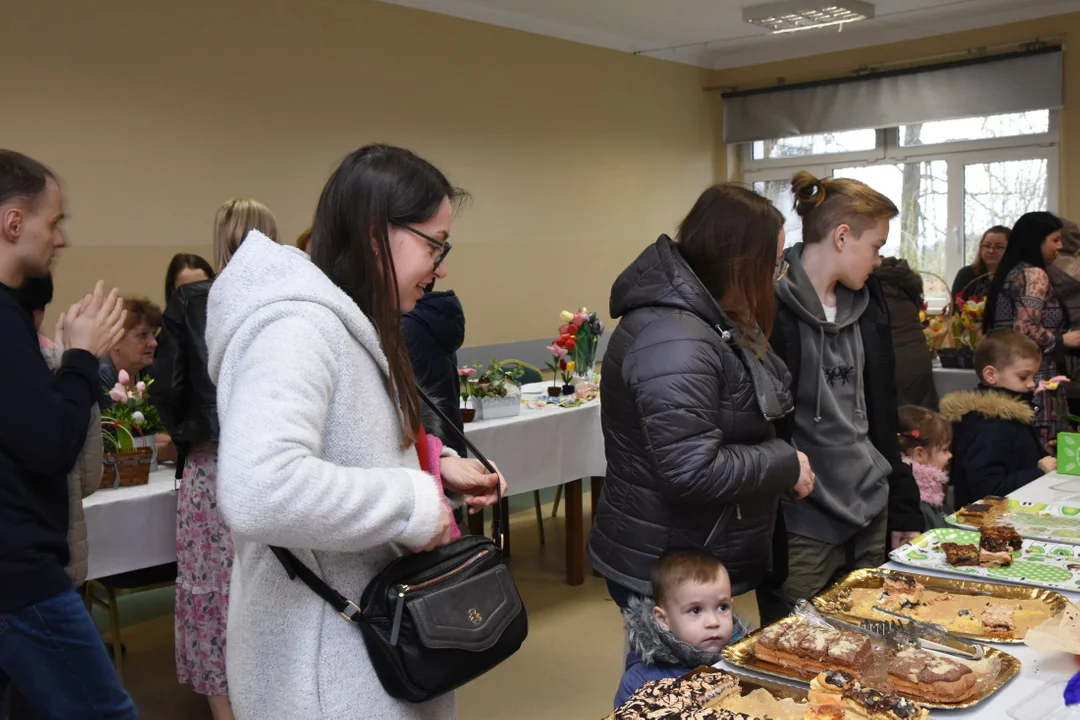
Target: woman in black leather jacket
(187, 400)
(689, 395)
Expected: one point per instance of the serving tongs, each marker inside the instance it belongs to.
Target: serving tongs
(928, 636)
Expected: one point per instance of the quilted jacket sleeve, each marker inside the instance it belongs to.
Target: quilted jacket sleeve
(679, 375)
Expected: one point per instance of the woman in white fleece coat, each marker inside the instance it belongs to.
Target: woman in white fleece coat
(318, 415)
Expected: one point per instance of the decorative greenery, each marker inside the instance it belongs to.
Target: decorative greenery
(464, 373)
(567, 371)
(493, 378)
(960, 329)
(580, 335)
(558, 360)
(131, 416)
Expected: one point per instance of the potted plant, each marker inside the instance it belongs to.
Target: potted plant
(567, 368)
(496, 393)
(127, 432)
(468, 414)
(558, 361)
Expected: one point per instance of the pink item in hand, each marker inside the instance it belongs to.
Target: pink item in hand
(434, 448)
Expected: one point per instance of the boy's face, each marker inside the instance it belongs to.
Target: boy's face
(1018, 376)
(699, 613)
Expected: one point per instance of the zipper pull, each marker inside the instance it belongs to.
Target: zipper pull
(398, 609)
(738, 512)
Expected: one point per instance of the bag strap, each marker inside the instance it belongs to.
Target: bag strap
(347, 608)
(294, 569)
(497, 519)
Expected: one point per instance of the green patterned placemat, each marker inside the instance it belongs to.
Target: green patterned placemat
(1038, 563)
(1040, 521)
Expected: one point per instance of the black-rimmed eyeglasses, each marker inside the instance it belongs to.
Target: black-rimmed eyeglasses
(443, 246)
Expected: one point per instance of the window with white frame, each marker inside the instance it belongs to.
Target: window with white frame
(951, 180)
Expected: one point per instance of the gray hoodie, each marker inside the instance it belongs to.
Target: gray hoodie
(830, 413)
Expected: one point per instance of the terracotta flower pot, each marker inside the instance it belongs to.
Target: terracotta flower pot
(554, 391)
(468, 414)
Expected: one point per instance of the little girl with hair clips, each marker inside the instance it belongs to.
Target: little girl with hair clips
(925, 438)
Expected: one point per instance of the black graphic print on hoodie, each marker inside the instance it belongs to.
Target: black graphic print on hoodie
(831, 424)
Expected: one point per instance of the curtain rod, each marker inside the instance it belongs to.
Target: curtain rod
(967, 56)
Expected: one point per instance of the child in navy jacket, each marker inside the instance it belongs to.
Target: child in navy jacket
(686, 623)
(996, 448)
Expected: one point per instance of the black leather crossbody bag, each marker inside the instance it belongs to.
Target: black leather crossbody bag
(433, 621)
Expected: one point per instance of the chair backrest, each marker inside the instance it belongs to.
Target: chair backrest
(531, 373)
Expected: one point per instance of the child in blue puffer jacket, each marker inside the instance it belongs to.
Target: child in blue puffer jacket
(686, 624)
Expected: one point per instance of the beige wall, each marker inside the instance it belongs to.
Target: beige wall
(842, 63)
(154, 113)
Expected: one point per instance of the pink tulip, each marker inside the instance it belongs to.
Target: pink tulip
(557, 351)
(579, 319)
(140, 386)
(466, 372)
(123, 377)
(117, 394)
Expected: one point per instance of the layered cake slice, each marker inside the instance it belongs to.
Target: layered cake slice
(932, 676)
(901, 591)
(998, 620)
(960, 555)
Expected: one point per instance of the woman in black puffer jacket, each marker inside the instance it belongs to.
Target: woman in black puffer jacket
(689, 394)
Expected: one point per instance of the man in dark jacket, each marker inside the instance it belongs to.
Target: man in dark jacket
(434, 331)
(693, 460)
(903, 289)
(50, 650)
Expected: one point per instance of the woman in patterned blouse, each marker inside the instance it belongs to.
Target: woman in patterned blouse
(1022, 298)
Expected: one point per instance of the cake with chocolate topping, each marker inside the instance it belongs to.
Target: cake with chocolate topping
(813, 649)
(929, 675)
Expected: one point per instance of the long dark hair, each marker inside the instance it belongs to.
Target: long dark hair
(1025, 245)
(729, 240)
(180, 262)
(374, 187)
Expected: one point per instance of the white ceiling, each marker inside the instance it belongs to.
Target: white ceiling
(711, 33)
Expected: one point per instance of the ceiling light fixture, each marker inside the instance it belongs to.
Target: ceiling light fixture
(794, 15)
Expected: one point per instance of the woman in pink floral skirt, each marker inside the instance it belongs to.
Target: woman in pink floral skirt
(187, 401)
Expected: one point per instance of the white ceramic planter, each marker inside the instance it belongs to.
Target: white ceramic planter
(490, 408)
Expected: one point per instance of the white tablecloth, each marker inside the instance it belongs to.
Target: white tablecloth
(1036, 691)
(132, 528)
(544, 447)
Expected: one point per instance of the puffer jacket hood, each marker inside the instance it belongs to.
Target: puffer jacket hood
(897, 278)
(656, 646)
(660, 278)
(441, 314)
(687, 409)
(990, 403)
(914, 372)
